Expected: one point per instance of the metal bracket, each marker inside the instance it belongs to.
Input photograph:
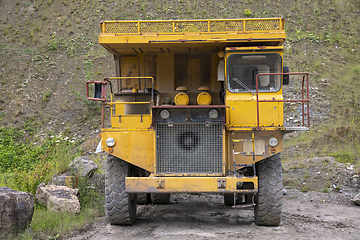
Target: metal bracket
(221, 183)
(160, 183)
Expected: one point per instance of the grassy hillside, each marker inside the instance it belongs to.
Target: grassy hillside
(49, 48)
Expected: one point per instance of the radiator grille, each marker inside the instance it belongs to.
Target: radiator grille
(189, 148)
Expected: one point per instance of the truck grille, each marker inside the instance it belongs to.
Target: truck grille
(189, 148)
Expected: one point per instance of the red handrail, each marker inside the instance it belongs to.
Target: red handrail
(305, 74)
(103, 90)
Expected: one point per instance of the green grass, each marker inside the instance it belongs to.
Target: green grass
(36, 164)
(47, 224)
(24, 165)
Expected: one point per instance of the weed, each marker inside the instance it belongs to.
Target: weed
(28, 181)
(248, 12)
(52, 43)
(46, 222)
(305, 188)
(47, 95)
(344, 157)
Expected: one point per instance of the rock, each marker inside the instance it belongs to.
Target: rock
(58, 198)
(60, 180)
(83, 166)
(356, 199)
(17, 209)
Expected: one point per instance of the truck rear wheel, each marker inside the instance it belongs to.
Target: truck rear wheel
(120, 205)
(160, 198)
(268, 201)
(229, 199)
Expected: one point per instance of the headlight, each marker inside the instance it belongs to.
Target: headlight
(273, 142)
(213, 113)
(110, 142)
(164, 114)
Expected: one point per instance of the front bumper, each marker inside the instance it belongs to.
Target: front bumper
(189, 184)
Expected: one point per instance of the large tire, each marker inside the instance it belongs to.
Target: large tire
(160, 198)
(268, 201)
(143, 198)
(120, 205)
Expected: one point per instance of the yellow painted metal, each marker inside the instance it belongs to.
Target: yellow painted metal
(242, 143)
(131, 121)
(157, 43)
(132, 145)
(278, 49)
(242, 111)
(188, 184)
(120, 37)
(204, 98)
(193, 26)
(120, 118)
(129, 67)
(181, 99)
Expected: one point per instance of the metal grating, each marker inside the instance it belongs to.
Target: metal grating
(189, 148)
(227, 26)
(191, 26)
(124, 27)
(201, 26)
(262, 25)
(147, 27)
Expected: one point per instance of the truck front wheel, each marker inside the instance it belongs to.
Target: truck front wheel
(160, 198)
(268, 201)
(120, 205)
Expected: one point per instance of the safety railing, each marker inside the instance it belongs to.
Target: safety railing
(302, 100)
(201, 26)
(100, 92)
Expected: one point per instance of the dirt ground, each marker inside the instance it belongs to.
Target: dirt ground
(311, 215)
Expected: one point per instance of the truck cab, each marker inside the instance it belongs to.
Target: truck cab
(196, 107)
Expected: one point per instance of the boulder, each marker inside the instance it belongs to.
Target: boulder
(58, 198)
(83, 166)
(356, 199)
(16, 212)
(60, 180)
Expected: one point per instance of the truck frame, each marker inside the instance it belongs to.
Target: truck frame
(196, 107)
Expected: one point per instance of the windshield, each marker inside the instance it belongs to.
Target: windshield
(243, 68)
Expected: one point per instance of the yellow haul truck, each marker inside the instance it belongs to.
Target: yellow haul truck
(196, 107)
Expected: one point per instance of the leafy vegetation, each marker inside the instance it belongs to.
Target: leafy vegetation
(24, 166)
(35, 164)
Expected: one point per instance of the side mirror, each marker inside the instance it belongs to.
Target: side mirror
(286, 78)
(97, 92)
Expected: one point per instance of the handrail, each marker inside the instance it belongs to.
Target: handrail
(103, 98)
(202, 26)
(307, 100)
(120, 78)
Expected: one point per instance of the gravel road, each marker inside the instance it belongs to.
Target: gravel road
(201, 216)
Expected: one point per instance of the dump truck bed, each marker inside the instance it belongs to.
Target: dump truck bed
(177, 36)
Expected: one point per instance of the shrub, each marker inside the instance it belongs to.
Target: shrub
(52, 43)
(248, 12)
